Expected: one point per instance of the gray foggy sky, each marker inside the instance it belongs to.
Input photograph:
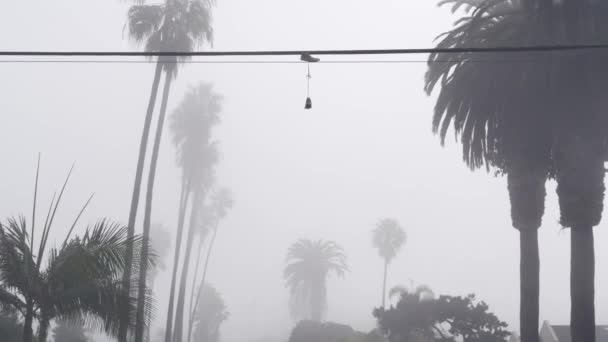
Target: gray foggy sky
(364, 152)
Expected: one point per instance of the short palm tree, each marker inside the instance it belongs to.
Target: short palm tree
(176, 25)
(81, 279)
(497, 110)
(388, 238)
(309, 264)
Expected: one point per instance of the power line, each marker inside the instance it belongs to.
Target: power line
(69, 61)
(507, 49)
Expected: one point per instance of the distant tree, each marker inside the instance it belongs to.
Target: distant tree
(192, 125)
(160, 242)
(221, 202)
(307, 331)
(69, 331)
(446, 319)
(211, 313)
(11, 329)
(172, 26)
(309, 264)
(388, 238)
(422, 291)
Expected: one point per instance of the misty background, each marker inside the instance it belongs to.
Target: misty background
(365, 151)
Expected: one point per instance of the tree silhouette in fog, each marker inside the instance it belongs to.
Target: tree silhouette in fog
(447, 319)
(531, 119)
(82, 276)
(221, 202)
(422, 291)
(176, 25)
(197, 155)
(388, 238)
(211, 313)
(309, 265)
(498, 124)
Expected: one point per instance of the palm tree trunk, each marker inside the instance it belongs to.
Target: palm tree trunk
(124, 320)
(43, 329)
(28, 331)
(143, 267)
(195, 277)
(179, 310)
(202, 284)
(384, 284)
(582, 285)
(178, 244)
(526, 184)
(316, 302)
(529, 285)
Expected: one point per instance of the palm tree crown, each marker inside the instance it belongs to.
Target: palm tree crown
(191, 124)
(176, 25)
(309, 264)
(389, 237)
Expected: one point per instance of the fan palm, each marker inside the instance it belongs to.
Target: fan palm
(309, 264)
(191, 126)
(527, 118)
(496, 109)
(177, 25)
(388, 238)
(221, 202)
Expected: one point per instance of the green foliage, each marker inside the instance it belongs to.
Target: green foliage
(69, 331)
(211, 313)
(309, 264)
(447, 318)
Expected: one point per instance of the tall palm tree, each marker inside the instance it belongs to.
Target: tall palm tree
(191, 125)
(388, 238)
(497, 110)
(205, 224)
(309, 264)
(177, 25)
(160, 242)
(580, 151)
(562, 99)
(221, 202)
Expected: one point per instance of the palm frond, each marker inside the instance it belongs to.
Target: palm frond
(143, 21)
(309, 264)
(388, 238)
(488, 105)
(17, 265)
